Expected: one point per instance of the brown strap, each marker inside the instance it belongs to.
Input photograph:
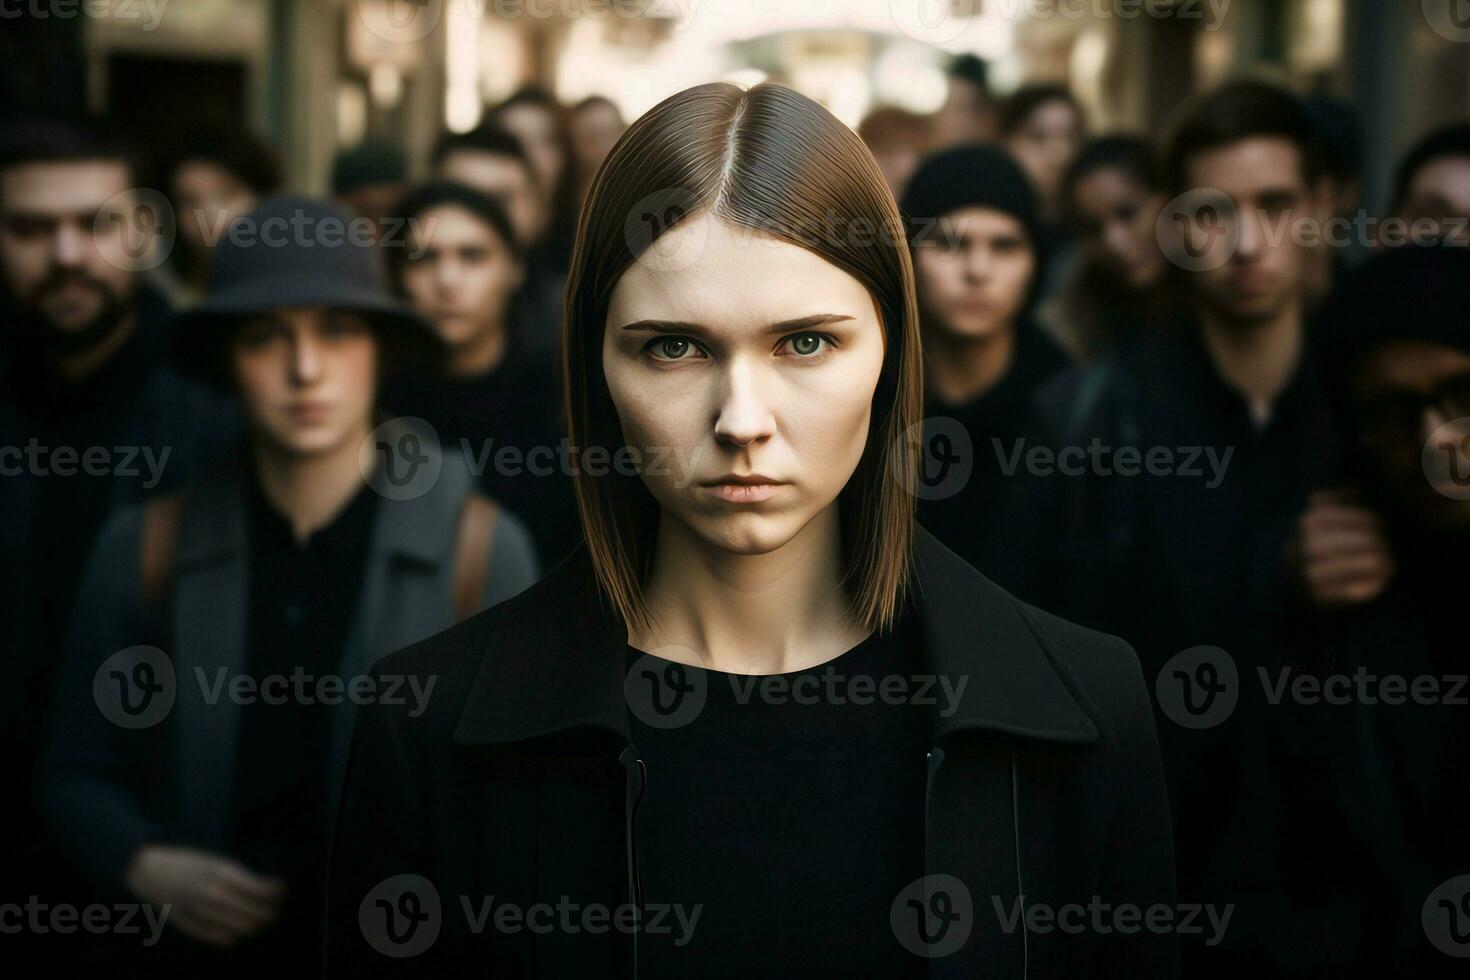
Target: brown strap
(472, 553)
(160, 534)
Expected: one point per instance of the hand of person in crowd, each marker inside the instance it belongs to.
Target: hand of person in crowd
(1342, 550)
(211, 898)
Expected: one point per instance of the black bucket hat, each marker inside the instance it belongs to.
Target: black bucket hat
(296, 252)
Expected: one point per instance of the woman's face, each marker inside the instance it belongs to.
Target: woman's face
(307, 378)
(1116, 218)
(535, 127)
(461, 274)
(1045, 144)
(743, 373)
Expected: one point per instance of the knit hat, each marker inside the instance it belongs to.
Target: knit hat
(976, 175)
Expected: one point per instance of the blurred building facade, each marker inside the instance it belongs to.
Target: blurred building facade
(319, 75)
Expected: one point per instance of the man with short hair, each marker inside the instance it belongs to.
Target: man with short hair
(491, 160)
(90, 415)
(1212, 433)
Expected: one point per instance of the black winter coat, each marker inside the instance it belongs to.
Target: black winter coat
(516, 792)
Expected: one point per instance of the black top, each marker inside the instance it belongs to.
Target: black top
(301, 604)
(786, 811)
(507, 422)
(959, 505)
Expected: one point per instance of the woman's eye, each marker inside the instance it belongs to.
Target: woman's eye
(807, 344)
(672, 349)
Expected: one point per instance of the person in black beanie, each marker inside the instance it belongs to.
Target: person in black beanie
(1372, 833)
(974, 230)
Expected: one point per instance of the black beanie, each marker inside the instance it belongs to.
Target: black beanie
(977, 175)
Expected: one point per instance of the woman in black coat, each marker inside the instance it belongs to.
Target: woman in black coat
(760, 722)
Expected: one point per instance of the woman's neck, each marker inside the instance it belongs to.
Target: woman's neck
(310, 491)
(749, 614)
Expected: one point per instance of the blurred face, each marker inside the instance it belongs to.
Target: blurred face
(374, 201)
(1046, 143)
(67, 234)
(1116, 224)
(974, 277)
(208, 197)
(1440, 191)
(307, 378)
(594, 131)
(462, 275)
(536, 128)
(1268, 270)
(1406, 392)
(967, 116)
(507, 180)
(754, 367)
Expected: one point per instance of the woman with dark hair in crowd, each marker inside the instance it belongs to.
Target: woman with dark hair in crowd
(539, 121)
(612, 778)
(460, 268)
(1043, 126)
(1112, 196)
(212, 177)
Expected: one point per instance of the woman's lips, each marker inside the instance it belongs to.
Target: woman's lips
(745, 493)
(744, 489)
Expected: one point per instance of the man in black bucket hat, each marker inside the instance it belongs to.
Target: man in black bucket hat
(230, 629)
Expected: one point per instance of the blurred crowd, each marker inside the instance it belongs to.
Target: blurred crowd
(1181, 387)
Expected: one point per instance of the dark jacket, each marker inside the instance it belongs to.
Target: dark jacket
(520, 783)
(105, 790)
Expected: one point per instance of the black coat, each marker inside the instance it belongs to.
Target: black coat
(518, 782)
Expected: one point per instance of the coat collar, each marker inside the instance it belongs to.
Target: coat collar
(557, 661)
(414, 528)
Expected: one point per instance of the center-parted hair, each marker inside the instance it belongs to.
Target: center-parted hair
(775, 161)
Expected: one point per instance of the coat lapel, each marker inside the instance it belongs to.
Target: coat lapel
(209, 634)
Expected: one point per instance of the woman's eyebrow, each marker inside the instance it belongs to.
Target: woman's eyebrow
(784, 326)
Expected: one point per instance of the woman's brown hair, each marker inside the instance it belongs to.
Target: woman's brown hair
(772, 160)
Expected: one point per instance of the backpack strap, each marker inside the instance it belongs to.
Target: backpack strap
(157, 542)
(472, 553)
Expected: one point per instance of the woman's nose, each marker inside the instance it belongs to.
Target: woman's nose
(743, 414)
